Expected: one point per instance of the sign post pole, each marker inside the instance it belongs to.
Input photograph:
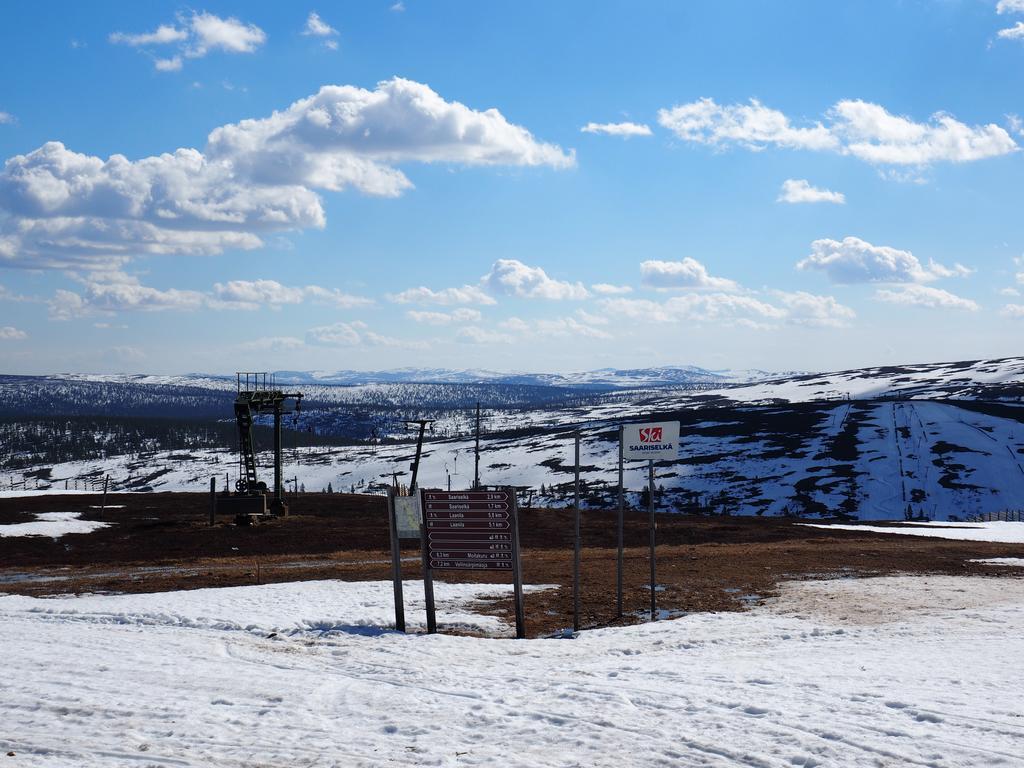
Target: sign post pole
(576, 543)
(428, 572)
(653, 525)
(517, 572)
(396, 563)
(618, 572)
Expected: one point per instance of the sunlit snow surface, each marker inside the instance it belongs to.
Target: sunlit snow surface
(1007, 533)
(877, 672)
(53, 524)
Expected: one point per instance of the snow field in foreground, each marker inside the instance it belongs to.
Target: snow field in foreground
(997, 531)
(926, 679)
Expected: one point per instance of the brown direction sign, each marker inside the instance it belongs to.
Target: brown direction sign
(468, 530)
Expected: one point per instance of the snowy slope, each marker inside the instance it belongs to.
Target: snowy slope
(874, 672)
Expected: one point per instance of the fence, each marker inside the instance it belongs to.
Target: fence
(1002, 516)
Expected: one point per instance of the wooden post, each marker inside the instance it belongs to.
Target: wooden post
(428, 573)
(396, 562)
(618, 574)
(576, 543)
(213, 500)
(653, 525)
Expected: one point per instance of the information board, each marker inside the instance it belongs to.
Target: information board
(469, 530)
(658, 440)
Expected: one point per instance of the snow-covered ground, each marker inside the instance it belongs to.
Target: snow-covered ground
(52, 524)
(1006, 533)
(876, 672)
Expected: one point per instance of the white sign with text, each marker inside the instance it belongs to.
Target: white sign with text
(659, 440)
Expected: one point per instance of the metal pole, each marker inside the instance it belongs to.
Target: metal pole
(517, 575)
(416, 461)
(618, 574)
(213, 500)
(279, 505)
(476, 466)
(396, 563)
(654, 566)
(576, 543)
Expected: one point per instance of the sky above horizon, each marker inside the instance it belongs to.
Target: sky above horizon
(533, 186)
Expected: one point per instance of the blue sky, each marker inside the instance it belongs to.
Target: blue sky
(528, 186)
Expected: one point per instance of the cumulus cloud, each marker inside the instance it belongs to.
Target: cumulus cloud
(196, 36)
(466, 294)
(688, 273)
(511, 277)
(861, 129)
(751, 125)
(463, 315)
(853, 260)
(273, 344)
(607, 289)
(476, 335)
(10, 333)
(1010, 6)
(556, 327)
(1012, 310)
(925, 296)
(801, 191)
(116, 292)
(623, 130)
(6, 118)
(353, 334)
(61, 209)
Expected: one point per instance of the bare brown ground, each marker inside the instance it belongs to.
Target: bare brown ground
(163, 541)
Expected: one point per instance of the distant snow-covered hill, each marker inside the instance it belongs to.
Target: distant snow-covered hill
(943, 440)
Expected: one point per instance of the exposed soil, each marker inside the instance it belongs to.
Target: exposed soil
(163, 541)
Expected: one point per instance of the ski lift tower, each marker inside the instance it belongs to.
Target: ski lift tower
(258, 394)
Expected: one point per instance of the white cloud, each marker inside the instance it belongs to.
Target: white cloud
(352, 334)
(925, 296)
(556, 327)
(1012, 310)
(804, 308)
(63, 209)
(10, 333)
(801, 191)
(116, 292)
(476, 335)
(1010, 6)
(1016, 32)
(856, 261)
(625, 130)
(1008, 292)
(318, 27)
(857, 128)
(872, 134)
(253, 294)
(751, 125)
(466, 294)
(463, 315)
(688, 273)
(695, 307)
(511, 277)
(6, 118)
(273, 344)
(398, 7)
(607, 289)
(195, 37)
(172, 64)
(164, 34)
(211, 33)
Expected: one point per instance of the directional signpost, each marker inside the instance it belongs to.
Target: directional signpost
(470, 531)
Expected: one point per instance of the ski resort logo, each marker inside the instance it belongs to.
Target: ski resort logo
(650, 434)
(659, 440)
